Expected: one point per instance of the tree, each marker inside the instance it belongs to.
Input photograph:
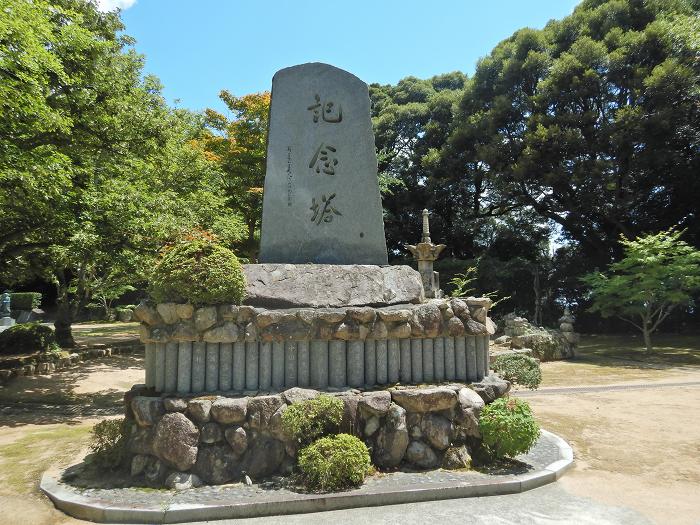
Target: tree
(97, 172)
(658, 273)
(593, 122)
(238, 147)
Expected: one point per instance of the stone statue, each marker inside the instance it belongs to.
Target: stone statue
(5, 304)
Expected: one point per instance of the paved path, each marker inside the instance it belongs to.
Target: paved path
(600, 388)
(548, 505)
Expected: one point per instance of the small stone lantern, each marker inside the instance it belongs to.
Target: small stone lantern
(426, 253)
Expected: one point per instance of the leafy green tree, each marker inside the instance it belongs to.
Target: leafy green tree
(658, 273)
(238, 147)
(412, 122)
(592, 122)
(97, 172)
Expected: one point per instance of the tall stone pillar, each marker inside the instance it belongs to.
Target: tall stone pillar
(426, 253)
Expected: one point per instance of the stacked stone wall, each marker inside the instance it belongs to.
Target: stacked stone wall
(182, 441)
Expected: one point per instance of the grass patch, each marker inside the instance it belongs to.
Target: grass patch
(24, 460)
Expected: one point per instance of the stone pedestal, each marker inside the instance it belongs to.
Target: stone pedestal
(270, 350)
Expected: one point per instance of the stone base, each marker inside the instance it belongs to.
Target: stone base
(220, 439)
(330, 285)
(190, 368)
(237, 348)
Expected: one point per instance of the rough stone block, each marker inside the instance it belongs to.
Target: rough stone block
(326, 285)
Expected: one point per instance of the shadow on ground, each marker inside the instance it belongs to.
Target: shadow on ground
(88, 389)
(670, 351)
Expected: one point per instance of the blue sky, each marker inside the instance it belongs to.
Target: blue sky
(199, 47)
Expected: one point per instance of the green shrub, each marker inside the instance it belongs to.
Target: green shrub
(519, 368)
(334, 462)
(25, 300)
(27, 338)
(200, 272)
(108, 443)
(508, 428)
(308, 420)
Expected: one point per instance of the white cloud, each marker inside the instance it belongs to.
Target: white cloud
(111, 5)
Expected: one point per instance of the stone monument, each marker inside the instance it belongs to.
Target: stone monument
(321, 202)
(322, 311)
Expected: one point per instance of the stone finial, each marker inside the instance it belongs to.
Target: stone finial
(426, 227)
(425, 253)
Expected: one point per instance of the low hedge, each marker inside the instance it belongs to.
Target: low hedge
(200, 272)
(334, 462)
(25, 300)
(27, 338)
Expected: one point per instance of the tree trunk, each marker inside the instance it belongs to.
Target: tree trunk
(63, 323)
(647, 339)
(537, 321)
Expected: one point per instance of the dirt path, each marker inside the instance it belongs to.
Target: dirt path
(636, 447)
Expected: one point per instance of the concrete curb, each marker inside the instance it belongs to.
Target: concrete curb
(80, 506)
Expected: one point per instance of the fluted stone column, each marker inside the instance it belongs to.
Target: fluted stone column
(460, 358)
(319, 364)
(382, 353)
(439, 358)
(277, 365)
(370, 362)
(337, 363)
(251, 365)
(356, 363)
(405, 361)
(472, 359)
(393, 366)
(170, 384)
(265, 369)
(303, 363)
(428, 365)
(160, 367)
(199, 359)
(225, 366)
(290, 363)
(150, 365)
(450, 366)
(212, 373)
(417, 360)
(482, 356)
(184, 367)
(239, 366)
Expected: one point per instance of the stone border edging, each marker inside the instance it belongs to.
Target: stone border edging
(82, 507)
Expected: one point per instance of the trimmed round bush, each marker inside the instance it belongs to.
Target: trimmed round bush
(27, 338)
(520, 369)
(200, 272)
(508, 427)
(334, 462)
(309, 420)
